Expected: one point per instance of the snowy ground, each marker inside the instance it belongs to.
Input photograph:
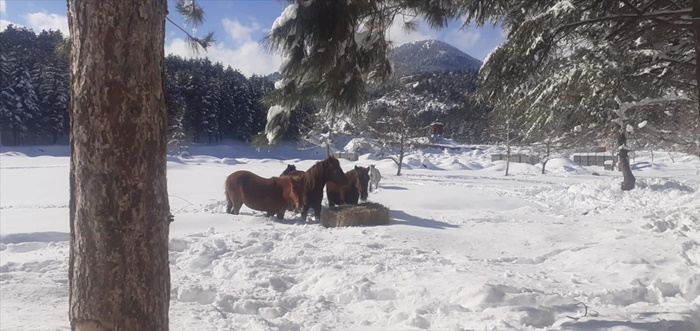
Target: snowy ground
(468, 248)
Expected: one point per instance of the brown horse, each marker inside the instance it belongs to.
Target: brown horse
(291, 171)
(314, 180)
(296, 174)
(356, 188)
(272, 195)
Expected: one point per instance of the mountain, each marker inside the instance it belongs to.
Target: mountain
(430, 56)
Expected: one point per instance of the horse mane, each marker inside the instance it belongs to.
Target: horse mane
(353, 178)
(316, 171)
(356, 174)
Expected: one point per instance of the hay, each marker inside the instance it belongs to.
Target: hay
(368, 213)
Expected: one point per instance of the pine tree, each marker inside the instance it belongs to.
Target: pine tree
(119, 212)
(53, 93)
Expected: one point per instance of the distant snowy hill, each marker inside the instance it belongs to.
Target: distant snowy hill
(431, 56)
(426, 56)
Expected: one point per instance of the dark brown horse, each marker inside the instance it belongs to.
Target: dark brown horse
(291, 171)
(272, 195)
(314, 180)
(350, 193)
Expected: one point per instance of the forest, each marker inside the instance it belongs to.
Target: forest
(206, 102)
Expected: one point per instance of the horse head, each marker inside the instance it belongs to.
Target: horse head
(333, 172)
(290, 168)
(362, 181)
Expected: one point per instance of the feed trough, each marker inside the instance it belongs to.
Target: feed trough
(364, 214)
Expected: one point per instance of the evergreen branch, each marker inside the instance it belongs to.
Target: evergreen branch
(625, 17)
(191, 11)
(642, 11)
(193, 42)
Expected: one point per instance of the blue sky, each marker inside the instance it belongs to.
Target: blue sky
(239, 25)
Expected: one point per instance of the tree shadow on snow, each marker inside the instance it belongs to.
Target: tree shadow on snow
(389, 187)
(294, 220)
(651, 325)
(49, 236)
(400, 217)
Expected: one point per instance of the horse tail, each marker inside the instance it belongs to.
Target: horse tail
(228, 192)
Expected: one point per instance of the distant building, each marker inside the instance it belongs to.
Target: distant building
(437, 130)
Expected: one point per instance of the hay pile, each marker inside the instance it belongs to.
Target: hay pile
(368, 213)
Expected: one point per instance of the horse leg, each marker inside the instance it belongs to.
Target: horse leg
(317, 212)
(237, 204)
(342, 197)
(333, 199)
(229, 204)
(351, 198)
(304, 213)
(270, 213)
(280, 214)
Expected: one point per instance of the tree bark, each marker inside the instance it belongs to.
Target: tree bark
(628, 180)
(544, 164)
(696, 34)
(402, 141)
(118, 269)
(508, 154)
(507, 146)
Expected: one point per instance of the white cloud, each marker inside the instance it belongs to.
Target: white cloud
(3, 6)
(248, 57)
(463, 38)
(47, 21)
(399, 36)
(5, 23)
(239, 32)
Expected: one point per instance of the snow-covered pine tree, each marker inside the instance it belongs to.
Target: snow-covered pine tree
(332, 50)
(54, 94)
(19, 95)
(7, 96)
(26, 103)
(231, 91)
(211, 99)
(177, 138)
(254, 112)
(577, 79)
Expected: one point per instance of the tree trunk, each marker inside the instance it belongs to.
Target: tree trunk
(624, 163)
(401, 149)
(507, 146)
(696, 32)
(118, 269)
(507, 155)
(547, 155)
(330, 134)
(544, 164)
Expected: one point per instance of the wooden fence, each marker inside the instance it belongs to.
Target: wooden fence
(603, 160)
(594, 160)
(346, 155)
(517, 158)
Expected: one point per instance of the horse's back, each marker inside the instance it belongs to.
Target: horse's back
(256, 192)
(244, 178)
